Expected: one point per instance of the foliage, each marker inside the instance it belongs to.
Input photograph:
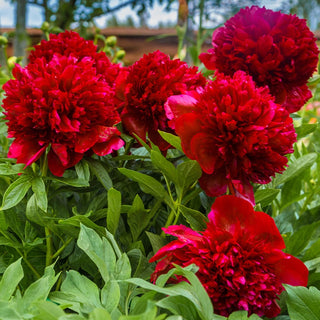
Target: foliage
(78, 246)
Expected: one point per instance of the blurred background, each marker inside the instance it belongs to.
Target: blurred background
(141, 26)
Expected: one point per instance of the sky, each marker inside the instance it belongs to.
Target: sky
(35, 16)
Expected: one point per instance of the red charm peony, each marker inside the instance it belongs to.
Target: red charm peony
(276, 49)
(62, 100)
(150, 81)
(235, 131)
(240, 258)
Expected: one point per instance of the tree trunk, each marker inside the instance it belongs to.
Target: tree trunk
(20, 40)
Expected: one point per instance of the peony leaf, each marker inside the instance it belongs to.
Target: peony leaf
(110, 295)
(172, 139)
(39, 189)
(301, 238)
(242, 315)
(40, 289)
(148, 185)
(166, 167)
(295, 168)
(99, 251)
(101, 173)
(188, 174)
(10, 279)
(83, 171)
(195, 218)
(114, 210)
(78, 292)
(48, 311)
(138, 218)
(7, 169)
(303, 303)
(265, 196)
(305, 129)
(16, 192)
(99, 314)
(180, 306)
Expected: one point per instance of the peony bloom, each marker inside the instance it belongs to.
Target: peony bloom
(70, 43)
(150, 81)
(235, 131)
(63, 101)
(276, 49)
(240, 258)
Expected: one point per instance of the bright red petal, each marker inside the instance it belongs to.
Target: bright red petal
(236, 216)
(187, 126)
(26, 151)
(288, 268)
(214, 185)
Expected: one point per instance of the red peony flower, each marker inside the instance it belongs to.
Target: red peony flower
(240, 258)
(70, 43)
(62, 100)
(276, 49)
(150, 81)
(235, 131)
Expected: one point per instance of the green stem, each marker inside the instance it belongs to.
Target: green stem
(49, 254)
(57, 253)
(24, 257)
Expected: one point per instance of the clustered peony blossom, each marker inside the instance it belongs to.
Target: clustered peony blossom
(276, 49)
(239, 256)
(235, 131)
(63, 99)
(148, 84)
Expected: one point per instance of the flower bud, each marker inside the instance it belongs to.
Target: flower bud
(3, 41)
(111, 41)
(12, 61)
(120, 54)
(45, 26)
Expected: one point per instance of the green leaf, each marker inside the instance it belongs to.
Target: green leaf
(39, 290)
(242, 315)
(79, 292)
(10, 279)
(76, 221)
(99, 251)
(166, 167)
(172, 139)
(7, 169)
(16, 192)
(295, 168)
(138, 218)
(48, 311)
(99, 314)
(193, 291)
(149, 314)
(148, 184)
(195, 218)
(78, 183)
(265, 196)
(301, 238)
(101, 173)
(180, 306)
(188, 174)
(39, 189)
(83, 170)
(305, 129)
(114, 210)
(303, 303)
(110, 295)
(34, 213)
(156, 241)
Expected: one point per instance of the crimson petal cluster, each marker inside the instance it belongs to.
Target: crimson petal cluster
(235, 131)
(148, 84)
(239, 256)
(276, 49)
(63, 99)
